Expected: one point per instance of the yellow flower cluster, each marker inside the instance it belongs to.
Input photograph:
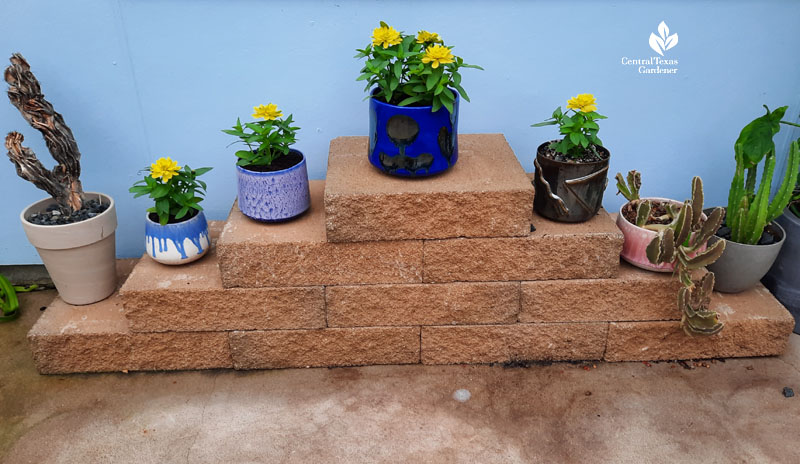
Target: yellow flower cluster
(164, 168)
(584, 103)
(385, 36)
(268, 112)
(436, 55)
(424, 37)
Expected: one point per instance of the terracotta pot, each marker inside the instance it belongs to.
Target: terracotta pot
(569, 192)
(80, 257)
(634, 249)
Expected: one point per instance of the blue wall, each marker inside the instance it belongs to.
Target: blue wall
(147, 78)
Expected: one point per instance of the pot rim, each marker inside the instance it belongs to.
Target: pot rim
(662, 199)
(182, 223)
(99, 217)
(747, 245)
(791, 216)
(563, 163)
(426, 108)
(275, 173)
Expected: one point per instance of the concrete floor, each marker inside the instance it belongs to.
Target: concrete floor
(728, 412)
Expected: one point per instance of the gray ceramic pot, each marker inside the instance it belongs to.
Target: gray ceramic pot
(783, 279)
(742, 266)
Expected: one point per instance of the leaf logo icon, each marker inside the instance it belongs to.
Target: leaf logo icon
(663, 41)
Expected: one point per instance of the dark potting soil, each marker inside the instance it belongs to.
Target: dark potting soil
(54, 217)
(590, 155)
(769, 236)
(658, 209)
(278, 164)
(154, 217)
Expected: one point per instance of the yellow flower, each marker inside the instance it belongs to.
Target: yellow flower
(428, 37)
(385, 36)
(436, 55)
(164, 168)
(584, 103)
(268, 112)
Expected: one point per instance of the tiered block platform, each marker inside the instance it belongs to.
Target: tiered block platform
(390, 271)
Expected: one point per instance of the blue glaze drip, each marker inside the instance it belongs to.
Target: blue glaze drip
(194, 229)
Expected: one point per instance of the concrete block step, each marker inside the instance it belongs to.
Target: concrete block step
(554, 250)
(159, 298)
(486, 194)
(297, 253)
(415, 325)
(97, 338)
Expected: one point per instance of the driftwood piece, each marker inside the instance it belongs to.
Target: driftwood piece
(63, 182)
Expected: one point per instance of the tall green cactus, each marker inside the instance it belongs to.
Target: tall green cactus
(681, 243)
(749, 210)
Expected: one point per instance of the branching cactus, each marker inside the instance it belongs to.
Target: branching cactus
(681, 244)
(629, 188)
(63, 181)
(749, 210)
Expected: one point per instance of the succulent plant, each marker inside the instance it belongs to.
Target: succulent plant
(749, 211)
(629, 187)
(681, 243)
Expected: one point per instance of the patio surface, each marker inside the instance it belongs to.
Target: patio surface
(717, 412)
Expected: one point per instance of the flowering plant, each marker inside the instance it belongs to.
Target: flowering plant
(273, 136)
(579, 129)
(412, 70)
(176, 191)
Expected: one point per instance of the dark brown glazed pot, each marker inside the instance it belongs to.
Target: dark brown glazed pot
(569, 192)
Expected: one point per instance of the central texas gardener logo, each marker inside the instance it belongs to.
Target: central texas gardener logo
(663, 41)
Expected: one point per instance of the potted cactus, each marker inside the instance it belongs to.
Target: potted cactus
(641, 219)
(73, 231)
(414, 89)
(682, 245)
(176, 230)
(572, 172)
(754, 239)
(783, 278)
(272, 176)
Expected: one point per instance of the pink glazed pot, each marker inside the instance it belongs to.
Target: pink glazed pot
(634, 249)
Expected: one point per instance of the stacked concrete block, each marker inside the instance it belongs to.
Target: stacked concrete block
(447, 270)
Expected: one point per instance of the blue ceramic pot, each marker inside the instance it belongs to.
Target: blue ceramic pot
(178, 243)
(412, 141)
(274, 196)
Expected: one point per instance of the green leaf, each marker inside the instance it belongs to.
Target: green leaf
(162, 206)
(755, 139)
(448, 104)
(398, 69)
(411, 100)
(160, 191)
(437, 104)
(430, 82)
(462, 92)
